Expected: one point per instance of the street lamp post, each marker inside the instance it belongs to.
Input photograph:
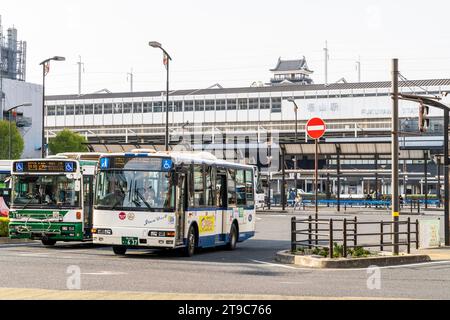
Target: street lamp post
(45, 67)
(167, 59)
(296, 132)
(9, 118)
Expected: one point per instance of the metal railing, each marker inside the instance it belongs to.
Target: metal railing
(326, 233)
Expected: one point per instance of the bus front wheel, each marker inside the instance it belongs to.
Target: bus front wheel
(119, 250)
(48, 242)
(189, 250)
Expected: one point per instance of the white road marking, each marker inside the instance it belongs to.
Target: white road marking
(104, 273)
(273, 264)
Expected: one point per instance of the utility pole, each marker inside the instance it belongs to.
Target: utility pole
(358, 68)
(394, 155)
(326, 62)
(80, 67)
(130, 77)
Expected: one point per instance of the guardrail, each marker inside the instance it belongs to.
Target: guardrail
(368, 203)
(325, 233)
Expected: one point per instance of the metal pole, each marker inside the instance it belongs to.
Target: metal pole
(43, 110)
(338, 182)
(167, 106)
(394, 154)
(446, 179)
(295, 156)
(425, 170)
(438, 191)
(283, 182)
(316, 179)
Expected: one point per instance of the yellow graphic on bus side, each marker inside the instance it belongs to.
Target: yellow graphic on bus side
(206, 224)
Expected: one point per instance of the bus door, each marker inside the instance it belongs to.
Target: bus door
(180, 216)
(87, 204)
(221, 199)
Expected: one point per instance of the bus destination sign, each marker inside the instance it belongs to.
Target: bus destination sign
(45, 166)
(136, 163)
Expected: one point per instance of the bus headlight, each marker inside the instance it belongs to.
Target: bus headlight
(107, 232)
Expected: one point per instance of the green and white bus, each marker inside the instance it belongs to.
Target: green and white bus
(52, 198)
(172, 200)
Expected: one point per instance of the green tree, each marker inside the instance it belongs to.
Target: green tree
(67, 141)
(17, 143)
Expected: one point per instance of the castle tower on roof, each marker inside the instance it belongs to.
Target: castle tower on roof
(291, 72)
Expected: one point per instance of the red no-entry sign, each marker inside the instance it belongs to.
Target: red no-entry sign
(315, 128)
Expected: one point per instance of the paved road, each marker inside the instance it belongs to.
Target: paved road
(250, 269)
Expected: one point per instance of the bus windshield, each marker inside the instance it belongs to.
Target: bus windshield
(45, 190)
(135, 190)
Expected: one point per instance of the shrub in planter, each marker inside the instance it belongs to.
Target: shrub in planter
(4, 223)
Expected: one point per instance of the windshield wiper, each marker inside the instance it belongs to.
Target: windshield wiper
(142, 198)
(29, 201)
(116, 203)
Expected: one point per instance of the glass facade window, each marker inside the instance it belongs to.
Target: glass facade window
(137, 107)
(147, 107)
(200, 105)
(89, 109)
(60, 110)
(188, 106)
(98, 109)
(210, 105)
(118, 108)
(178, 106)
(79, 110)
(231, 104)
(127, 107)
(276, 105)
(51, 110)
(70, 110)
(157, 106)
(108, 109)
(221, 104)
(264, 103)
(243, 104)
(253, 103)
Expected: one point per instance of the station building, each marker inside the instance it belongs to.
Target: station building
(241, 122)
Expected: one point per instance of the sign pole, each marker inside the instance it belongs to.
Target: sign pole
(316, 178)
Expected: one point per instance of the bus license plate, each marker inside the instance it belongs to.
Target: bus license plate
(127, 241)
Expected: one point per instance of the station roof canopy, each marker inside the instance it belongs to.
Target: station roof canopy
(367, 148)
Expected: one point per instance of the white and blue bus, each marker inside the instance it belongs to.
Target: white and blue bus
(146, 199)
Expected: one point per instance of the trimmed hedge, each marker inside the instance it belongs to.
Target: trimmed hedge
(4, 223)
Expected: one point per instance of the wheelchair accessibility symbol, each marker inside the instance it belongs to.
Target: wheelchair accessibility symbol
(19, 166)
(69, 167)
(167, 164)
(104, 163)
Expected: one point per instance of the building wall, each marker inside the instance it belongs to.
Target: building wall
(19, 92)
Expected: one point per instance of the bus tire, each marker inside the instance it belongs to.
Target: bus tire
(233, 238)
(191, 241)
(120, 250)
(48, 242)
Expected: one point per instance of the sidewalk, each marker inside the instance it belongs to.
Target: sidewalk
(438, 254)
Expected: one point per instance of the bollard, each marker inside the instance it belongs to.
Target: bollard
(309, 232)
(344, 245)
(381, 235)
(417, 234)
(418, 207)
(409, 236)
(355, 237)
(293, 235)
(331, 239)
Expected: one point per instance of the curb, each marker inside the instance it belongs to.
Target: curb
(5, 240)
(327, 263)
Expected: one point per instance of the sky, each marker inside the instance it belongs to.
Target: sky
(233, 42)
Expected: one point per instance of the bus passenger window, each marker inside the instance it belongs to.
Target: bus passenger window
(209, 186)
(240, 188)
(231, 187)
(199, 194)
(249, 187)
